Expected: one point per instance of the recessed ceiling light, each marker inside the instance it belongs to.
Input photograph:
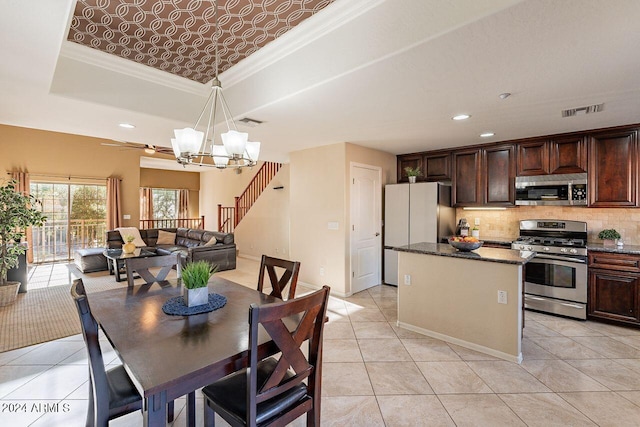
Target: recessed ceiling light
(126, 125)
(504, 95)
(487, 134)
(461, 117)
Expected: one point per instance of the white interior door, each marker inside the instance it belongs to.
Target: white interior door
(366, 239)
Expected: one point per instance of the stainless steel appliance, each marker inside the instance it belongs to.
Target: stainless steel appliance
(554, 190)
(556, 278)
(414, 213)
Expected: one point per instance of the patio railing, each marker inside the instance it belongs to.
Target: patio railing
(57, 240)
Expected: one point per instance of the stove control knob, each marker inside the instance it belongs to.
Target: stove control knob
(563, 250)
(528, 248)
(546, 249)
(573, 251)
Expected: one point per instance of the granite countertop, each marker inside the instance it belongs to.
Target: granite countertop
(505, 256)
(625, 249)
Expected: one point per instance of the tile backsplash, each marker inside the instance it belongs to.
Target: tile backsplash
(504, 224)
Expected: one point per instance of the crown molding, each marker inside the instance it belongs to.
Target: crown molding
(117, 64)
(325, 21)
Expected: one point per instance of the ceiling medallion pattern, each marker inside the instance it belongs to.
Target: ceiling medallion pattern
(177, 36)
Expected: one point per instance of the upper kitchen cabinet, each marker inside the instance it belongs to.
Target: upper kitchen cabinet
(499, 175)
(437, 166)
(613, 169)
(533, 158)
(412, 161)
(557, 156)
(467, 181)
(568, 155)
(484, 176)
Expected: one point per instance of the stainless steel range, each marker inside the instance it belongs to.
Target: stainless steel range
(556, 278)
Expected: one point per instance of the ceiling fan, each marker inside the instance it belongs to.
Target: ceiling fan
(148, 148)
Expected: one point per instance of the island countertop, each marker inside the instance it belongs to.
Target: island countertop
(504, 256)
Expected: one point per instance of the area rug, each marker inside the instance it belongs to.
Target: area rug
(47, 314)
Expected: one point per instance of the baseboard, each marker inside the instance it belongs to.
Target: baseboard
(333, 292)
(251, 257)
(462, 343)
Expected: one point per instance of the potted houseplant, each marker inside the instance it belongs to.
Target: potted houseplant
(610, 236)
(17, 212)
(129, 247)
(195, 276)
(412, 173)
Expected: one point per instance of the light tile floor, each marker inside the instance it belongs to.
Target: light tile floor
(376, 374)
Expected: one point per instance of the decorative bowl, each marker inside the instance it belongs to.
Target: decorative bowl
(465, 246)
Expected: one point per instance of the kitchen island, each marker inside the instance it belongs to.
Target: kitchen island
(453, 296)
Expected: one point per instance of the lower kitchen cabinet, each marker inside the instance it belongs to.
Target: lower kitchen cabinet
(614, 291)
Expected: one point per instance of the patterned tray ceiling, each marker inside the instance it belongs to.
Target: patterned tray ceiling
(177, 36)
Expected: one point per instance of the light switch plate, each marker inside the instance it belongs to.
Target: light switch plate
(126, 216)
(333, 225)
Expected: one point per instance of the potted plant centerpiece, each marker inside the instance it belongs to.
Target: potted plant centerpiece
(412, 173)
(195, 276)
(610, 236)
(17, 212)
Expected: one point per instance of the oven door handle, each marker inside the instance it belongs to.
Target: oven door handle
(560, 258)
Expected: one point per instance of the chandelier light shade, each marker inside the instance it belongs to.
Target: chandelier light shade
(190, 145)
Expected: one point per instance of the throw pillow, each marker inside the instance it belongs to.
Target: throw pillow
(166, 238)
(131, 231)
(211, 241)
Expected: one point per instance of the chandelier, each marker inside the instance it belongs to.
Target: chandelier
(190, 145)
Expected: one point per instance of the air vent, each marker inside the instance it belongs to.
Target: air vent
(583, 110)
(250, 122)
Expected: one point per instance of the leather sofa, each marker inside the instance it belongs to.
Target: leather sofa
(190, 243)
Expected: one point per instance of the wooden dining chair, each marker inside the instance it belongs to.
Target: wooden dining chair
(141, 266)
(289, 276)
(111, 393)
(273, 391)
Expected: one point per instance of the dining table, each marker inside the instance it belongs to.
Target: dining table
(169, 356)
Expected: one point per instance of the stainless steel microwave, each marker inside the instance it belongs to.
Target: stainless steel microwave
(552, 190)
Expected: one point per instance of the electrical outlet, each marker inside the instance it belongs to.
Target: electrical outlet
(407, 279)
(321, 271)
(502, 297)
(477, 221)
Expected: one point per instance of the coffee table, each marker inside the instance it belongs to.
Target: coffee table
(116, 258)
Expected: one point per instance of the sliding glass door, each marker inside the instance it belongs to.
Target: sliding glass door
(76, 219)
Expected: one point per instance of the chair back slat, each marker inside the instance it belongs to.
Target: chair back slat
(97, 375)
(141, 266)
(309, 312)
(288, 277)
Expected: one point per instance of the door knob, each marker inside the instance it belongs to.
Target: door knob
(377, 234)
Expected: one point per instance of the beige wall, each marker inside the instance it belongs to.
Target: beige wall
(174, 180)
(319, 195)
(265, 228)
(220, 186)
(52, 153)
(504, 224)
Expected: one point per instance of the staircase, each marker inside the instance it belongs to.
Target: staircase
(230, 216)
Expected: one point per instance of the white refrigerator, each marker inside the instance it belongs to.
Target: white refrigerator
(414, 213)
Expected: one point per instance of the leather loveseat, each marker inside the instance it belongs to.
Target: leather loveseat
(190, 243)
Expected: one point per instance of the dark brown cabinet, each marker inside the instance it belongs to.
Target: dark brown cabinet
(467, 182)
(568, 155)
(557, 156)
(484, 176)
(437, 166)
(499, 174)
(533, 158)
(614, 287)
(613, 169)
(412, 161)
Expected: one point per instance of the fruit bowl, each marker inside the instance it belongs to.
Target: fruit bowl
(464, 246)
